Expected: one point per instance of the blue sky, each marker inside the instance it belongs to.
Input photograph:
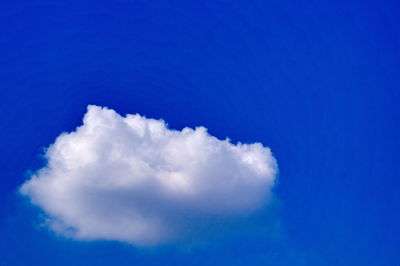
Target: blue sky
(317, 82)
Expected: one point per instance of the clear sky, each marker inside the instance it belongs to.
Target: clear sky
(316, 81)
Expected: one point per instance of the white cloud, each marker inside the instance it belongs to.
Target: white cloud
(132, 179)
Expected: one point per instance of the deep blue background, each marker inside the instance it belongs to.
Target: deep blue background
(316, 81)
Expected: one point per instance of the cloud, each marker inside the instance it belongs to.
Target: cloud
(132, 179)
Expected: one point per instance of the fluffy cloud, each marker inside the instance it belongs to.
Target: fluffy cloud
(132, 179)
